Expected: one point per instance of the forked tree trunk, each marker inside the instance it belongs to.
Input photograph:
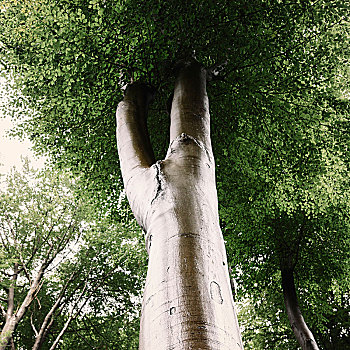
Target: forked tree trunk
(301, 331)
(187, 302)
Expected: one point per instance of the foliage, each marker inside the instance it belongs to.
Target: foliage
(69, 59)
(40, 219)
(95, 269)
(280, 127)
(109, 271)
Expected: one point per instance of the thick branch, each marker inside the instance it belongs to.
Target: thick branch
(134, 145)
(11, 293)
(190, 106)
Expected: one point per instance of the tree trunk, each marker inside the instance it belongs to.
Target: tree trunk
(39, 339)
(10, 319)
(187, 302)
(303, 334)
(13, 318)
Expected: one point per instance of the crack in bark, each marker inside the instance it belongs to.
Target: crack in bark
(148, 242)
(159, 179)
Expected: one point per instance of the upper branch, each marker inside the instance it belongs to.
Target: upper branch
(134, 146)
(190, 106)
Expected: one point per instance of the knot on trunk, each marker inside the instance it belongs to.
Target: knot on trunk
(188, 140)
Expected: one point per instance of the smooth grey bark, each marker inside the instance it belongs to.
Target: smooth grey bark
(301, 331)
(187, 302)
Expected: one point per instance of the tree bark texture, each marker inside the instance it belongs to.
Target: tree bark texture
(187, 302)
(301, 331)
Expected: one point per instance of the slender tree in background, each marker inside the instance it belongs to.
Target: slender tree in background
(187, 303)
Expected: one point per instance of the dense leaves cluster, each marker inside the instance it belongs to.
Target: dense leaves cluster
(280, 121)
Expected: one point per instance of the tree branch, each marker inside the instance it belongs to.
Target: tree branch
(33, 326)
(40, 336)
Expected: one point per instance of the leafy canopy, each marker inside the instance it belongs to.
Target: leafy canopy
(280, 114)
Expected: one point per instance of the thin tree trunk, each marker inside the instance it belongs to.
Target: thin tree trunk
(39, 339)
(187, 302)
(10, 319)
(14, 318)
(71, 317)
(303, 334)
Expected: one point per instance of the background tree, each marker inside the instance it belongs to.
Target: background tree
(39, 222)
(100, 306)
(111, 317)
(60, 269)
(280, 107)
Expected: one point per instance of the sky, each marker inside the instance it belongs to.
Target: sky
(11, 149)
